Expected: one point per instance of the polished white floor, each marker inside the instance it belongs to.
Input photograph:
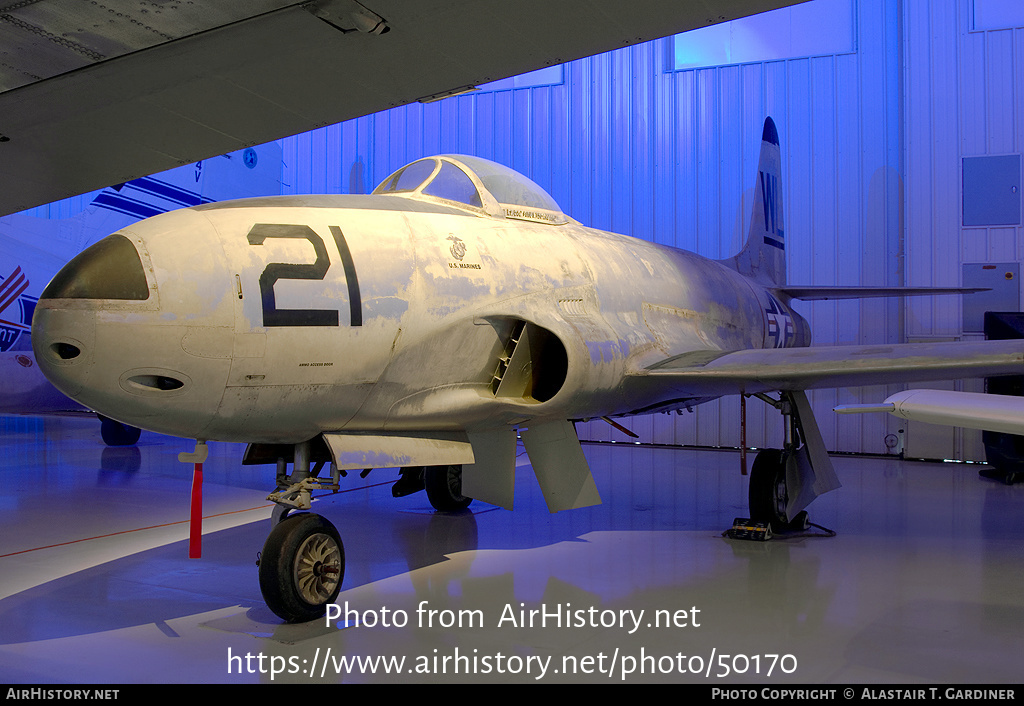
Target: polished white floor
(924, 581)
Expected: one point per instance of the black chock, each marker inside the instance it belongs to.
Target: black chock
(745, 528)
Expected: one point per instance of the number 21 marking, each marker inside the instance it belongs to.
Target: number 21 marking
(274, 271)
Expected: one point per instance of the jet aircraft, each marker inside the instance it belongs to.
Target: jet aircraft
(422, 326)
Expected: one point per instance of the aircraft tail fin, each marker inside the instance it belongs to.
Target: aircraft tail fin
(764, 256)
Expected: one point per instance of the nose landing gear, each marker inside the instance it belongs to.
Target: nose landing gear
(302, 567)
(302, 564)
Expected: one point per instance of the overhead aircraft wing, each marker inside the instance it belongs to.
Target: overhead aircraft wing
(96, 94)
(713, 373)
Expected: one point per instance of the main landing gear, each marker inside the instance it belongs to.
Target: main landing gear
(783, 482)
(444, 488)
(768, 493)
(302, 565)
(442, 483)
(115, 433)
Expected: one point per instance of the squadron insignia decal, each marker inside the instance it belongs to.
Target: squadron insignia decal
(458, 247)
(458, 250)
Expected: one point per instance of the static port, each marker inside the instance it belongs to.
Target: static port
(66, 351)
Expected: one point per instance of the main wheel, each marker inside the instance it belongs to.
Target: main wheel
(115, 433)
(444, 488)
(767, 495)
(302, 567)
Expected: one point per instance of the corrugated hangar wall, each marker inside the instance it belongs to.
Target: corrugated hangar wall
(964, 102)
(640, 141)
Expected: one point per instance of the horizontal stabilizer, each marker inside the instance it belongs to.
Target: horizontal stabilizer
(820, 293)
(764, 370)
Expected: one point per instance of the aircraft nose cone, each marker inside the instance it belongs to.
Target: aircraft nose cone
(101, 336)
(64, 324)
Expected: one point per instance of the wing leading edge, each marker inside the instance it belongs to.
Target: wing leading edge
(765, 370)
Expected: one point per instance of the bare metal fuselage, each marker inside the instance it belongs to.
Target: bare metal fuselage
(282, 318)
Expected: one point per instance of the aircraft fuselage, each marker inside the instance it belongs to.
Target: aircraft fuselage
(272, 320)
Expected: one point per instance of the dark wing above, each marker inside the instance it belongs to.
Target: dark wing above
(95, 94)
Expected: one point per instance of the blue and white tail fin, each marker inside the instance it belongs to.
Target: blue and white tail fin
(763, 258)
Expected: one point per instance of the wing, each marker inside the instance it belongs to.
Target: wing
(147, 91)
(761, 370)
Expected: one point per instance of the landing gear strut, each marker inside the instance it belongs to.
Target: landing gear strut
(783, 482)
(303, 560)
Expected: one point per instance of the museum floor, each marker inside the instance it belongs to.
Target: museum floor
(923, 582)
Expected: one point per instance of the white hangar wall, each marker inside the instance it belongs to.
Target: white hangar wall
(964, 99)
(964, 102)
(875, 100)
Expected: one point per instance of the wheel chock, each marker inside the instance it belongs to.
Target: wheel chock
(745, 528)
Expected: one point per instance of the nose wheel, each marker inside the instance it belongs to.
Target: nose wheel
(302, 567)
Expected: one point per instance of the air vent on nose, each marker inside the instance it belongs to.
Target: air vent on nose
(156, 382)
(66, 351)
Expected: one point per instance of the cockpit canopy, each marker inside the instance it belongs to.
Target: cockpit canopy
(477, 183)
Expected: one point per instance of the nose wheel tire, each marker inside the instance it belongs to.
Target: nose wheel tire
(767, 495)
(444, 488)
(302, 567)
